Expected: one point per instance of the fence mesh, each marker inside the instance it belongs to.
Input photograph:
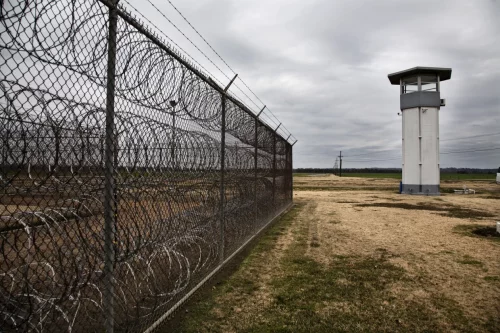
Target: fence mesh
(126, 179)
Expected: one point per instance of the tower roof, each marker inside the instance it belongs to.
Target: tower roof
(444, 73)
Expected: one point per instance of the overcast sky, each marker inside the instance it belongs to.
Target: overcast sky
(321, 67)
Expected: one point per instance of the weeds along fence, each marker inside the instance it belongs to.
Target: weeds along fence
(127, 176)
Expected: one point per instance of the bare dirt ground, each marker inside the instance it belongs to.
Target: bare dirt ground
(420, 241)
(354, 255)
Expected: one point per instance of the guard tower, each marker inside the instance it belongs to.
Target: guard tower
(420, 103)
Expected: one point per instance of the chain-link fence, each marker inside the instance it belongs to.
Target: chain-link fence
(127, 176)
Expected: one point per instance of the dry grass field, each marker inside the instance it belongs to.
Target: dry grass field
(353, 255)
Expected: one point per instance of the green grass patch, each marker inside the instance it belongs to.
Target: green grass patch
(447, 210)
(373, 175)
(444, 176)
(465, 176)
(493, 278)
(344, 188)
(352, 293)
(468, 260)
(239, 282)
(303, 174)
(478, 231)
(244, 285)
(494, 197)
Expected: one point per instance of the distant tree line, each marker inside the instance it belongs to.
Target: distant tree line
(392, 170)
(347, 170)
(468, 170)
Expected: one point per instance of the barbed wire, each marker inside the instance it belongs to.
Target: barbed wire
(195, 174)
(286, 131)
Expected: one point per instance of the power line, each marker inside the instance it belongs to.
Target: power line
(206, 42)
(270, 119)
(282, 125)
(459, 138)
(246, 95)
(471, 137)
(194, 60)
(192, 43)
(185, 19)
(250, 90)
(377, 152)
(361, 161)
(470, 157)
(470, 151)
(218, 55)
(179, 30)
(443, 153)
(222, 59)
(173, 42)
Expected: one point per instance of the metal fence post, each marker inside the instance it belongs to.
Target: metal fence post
(274, 170)
(287, 164)
(222, 170)
(109, 177)
(290, 170)
(291, 165)
(255, 167)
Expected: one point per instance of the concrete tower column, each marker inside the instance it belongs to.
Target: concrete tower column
(420, 102)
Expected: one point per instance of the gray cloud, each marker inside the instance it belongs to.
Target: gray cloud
(321, 66)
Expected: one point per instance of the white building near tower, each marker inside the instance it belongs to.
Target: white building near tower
(420, 104)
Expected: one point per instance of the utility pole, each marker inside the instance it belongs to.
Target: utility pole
(340, 156)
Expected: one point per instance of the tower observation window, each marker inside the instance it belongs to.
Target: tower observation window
(428, 83)
(409, 85)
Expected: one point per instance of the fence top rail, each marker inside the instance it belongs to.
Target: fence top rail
(142, 28)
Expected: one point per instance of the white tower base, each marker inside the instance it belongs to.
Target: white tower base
(421, 151)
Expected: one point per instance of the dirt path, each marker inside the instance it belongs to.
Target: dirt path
(365, 260)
